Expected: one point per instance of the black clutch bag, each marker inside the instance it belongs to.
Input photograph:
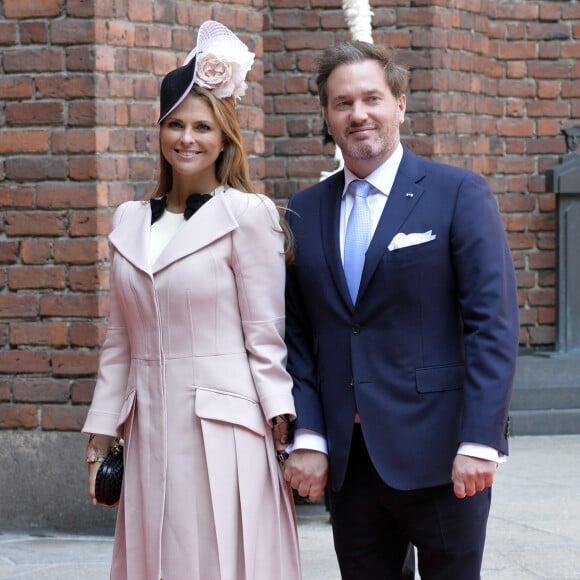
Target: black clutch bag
(110, 476)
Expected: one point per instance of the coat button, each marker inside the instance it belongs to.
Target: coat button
(356, 329)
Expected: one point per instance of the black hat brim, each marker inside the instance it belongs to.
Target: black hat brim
(175, 86)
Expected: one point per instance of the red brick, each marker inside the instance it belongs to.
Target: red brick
(295, 19)
(35, 224)
(83, 224)
(35, 251)
(542, 335)
(38, 334)
(87, 279)
(542, 260)
(32, 8)
(548, 109)
(70, 196)
(525, 279)
(546, 241)
(548, 70)
(80, 251)
(41, 391)
(74, 363)
(71, 85)
(547, 278)
(18, 417)
(521, 241)
(8, 252)
(516, 128)
(17, 87)
(24, 361)
(75, 31)
(546, 315)
(74, 141)
(8, 33)
(24, 142)
(82, 390)
(18, 306)
(544, 297)
(5, 390)
(105, 60)
(525, 88)
(528, 317)
(37, 277)
(63, 417)
(33, 59)
(78, 305)
(35, 168)
(33, 32)
(91, 168)
(34, 113)
(87, 334)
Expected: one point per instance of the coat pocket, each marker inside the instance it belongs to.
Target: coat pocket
(440, 378)
(219, 406)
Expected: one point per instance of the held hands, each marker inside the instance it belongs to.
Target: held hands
(307, 471)
(97, 449)
(471, 475)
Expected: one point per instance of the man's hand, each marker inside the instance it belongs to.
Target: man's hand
(306, 471)
(471, 475)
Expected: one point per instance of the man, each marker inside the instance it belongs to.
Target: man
(402, 372)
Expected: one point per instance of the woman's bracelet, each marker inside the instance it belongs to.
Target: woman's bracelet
(93, 456)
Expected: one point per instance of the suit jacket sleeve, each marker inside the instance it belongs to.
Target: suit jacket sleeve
(488, 301)
(302, 355)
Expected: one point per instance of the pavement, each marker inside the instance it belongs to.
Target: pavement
(533, 531)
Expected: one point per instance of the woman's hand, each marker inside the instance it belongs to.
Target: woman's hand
(281, 431)
(97, 449)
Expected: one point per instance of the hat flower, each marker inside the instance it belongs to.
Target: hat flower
(222, 68)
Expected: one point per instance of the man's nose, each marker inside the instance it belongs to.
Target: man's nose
(359, 112)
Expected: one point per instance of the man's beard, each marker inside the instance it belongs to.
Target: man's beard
(384, 143)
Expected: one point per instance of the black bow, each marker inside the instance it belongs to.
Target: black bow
(192, 204)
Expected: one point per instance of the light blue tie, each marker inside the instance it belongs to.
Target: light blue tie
(358, 236)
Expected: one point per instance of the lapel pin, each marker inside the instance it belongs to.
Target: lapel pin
(409, 194)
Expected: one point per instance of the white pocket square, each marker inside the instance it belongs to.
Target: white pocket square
(402, 240)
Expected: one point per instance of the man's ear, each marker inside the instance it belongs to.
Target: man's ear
(325, 117)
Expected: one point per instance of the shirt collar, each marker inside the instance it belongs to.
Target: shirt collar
(382, 177)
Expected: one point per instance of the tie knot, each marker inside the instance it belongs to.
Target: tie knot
(360, 188)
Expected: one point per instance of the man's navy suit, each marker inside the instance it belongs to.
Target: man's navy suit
(427, 354)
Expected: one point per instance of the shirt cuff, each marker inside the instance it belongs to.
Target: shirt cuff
(307, 439)
(481, 452)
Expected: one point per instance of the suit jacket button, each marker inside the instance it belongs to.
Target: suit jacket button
(356, 329)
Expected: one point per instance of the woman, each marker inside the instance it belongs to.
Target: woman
(192, 372)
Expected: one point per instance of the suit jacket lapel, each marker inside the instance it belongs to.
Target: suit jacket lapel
(330, 226)
(403, 198)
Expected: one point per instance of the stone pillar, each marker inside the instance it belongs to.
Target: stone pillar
(564, 180)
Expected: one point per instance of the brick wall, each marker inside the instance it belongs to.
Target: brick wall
(493, 83)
